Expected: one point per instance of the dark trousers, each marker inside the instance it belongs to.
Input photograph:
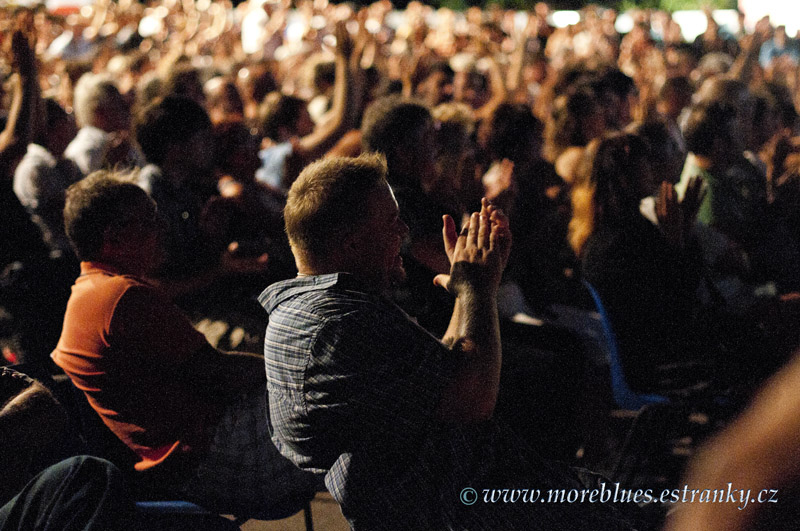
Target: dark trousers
(81, 492)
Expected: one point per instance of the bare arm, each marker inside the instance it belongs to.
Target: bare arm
(498, 88)
(478, 256)
(514, 75)
(326, 134)
(760, 450)
(21, 122)
(742, 68)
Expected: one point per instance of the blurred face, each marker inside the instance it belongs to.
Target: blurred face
(120, 114)
(594, 124)
(136, 249)
(376, 244)
(199, 149)
(423, 141)
(436, 88)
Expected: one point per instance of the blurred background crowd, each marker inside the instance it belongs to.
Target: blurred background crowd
(663, 171)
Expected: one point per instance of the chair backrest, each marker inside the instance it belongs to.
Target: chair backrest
(624, 396)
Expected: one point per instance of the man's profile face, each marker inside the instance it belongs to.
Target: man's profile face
(377, 242)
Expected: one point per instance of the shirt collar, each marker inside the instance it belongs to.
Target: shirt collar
(286, 289)
(35, 150)
(91, 268)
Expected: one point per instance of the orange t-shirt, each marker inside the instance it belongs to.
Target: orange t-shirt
(124, 346)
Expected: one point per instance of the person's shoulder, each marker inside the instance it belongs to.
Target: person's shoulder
(101, 284)
(334, 297)
(149, 177)
(37, 156)
(36, 163)
(92, 136)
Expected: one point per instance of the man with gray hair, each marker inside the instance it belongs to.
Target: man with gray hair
(104, 119)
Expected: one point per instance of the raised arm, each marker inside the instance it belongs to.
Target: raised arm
(498, 89)
(21, 123)
(326, 134)
(742, 68)
(478, 255)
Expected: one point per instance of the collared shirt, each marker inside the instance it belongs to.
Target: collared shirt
(354, 386)
(273, 165)
(40, 182)
(89, 149)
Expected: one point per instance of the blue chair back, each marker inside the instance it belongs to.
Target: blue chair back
(624, 396)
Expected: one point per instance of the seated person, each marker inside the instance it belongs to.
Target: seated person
(30, 421)
(104, 118)
(404, 132)
(292, 140)
(43, 175)
(646, 275)
(249, 212)
(400, 422)
(176, 136)
(81, 492)
(194, 416)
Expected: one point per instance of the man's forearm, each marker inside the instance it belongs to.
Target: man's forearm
(478, 254)
(474, 335)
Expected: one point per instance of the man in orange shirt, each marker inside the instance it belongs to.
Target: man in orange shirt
(180, 404)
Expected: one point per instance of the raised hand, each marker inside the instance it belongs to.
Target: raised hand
(478, 255)
(668, 211)
(344, 43)
(692, 199)
(498, 178)
(677, 218)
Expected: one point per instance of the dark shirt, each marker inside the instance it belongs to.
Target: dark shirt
(186, 247)
(20, 240)
(648, 289)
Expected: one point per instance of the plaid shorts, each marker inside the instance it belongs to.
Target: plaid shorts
(243, 473)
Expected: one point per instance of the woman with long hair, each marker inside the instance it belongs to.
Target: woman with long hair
(646, 274)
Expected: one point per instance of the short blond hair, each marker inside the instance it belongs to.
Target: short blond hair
(328, 201)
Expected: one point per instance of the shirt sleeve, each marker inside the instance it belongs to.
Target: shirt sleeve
(148, 324)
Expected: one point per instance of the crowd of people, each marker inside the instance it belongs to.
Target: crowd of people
(149, 150)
